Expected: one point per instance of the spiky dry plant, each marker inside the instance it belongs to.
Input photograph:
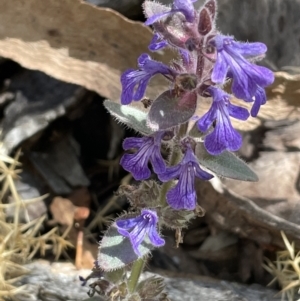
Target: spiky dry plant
(19, 242)
(286, 270)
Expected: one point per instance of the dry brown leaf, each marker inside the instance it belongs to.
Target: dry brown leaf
(76, 208)
(62, 210)
(80, 197)
(72, 41)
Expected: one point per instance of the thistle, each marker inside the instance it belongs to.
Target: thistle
(206, 61)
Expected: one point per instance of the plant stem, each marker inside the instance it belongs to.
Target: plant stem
(136, 271)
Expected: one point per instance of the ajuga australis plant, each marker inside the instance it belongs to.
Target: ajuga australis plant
(206, 60)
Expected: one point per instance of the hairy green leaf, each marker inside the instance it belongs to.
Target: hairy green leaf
(226, 165)
(131, 116)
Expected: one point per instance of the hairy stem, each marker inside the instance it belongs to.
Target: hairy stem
(136, 271)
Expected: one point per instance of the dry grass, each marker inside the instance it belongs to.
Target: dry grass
(19, 242)
(286, 270)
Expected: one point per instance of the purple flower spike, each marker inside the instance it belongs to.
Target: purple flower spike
(231, 56)
(138, 227)
(183, 194)
(224, 136)
(140, 78)
(185, 7)
(148, 150)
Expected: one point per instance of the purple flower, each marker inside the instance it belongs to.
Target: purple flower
(231, 57)
(148, 150)
(260, 98)
(223, 136)
(183, 194)
(138, 227)
(157, 43)
(185, 7)
(140, 78)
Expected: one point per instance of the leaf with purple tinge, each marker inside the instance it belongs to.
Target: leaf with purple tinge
(170, 109)
(211, 5)
(205, 23)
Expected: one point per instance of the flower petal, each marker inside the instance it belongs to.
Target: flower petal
(247, 76)
(157, 161)
(127, 87)
(207, 119)
(140, 78)
(154, 237)
(223, 137)
(170, 173)
(182, 196)
(220, 69)
(128, 223)
(143, 59)
(238, 112)
(232, 61)
(201, 174)
(155, 44)
(260, 98)
(186, 7)
(142, 86)
(244, 84)
(137, 235)
(124, 232)
(250, 49)
(140, 226)
(133, 142)
(137, 164)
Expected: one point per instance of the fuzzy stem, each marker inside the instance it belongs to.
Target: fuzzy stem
(136, 271)
(174, 159)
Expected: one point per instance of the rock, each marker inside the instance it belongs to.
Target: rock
(39, 100)
(59, 166)
(60, 281)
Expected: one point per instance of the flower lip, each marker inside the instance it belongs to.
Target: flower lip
(183, 194)
(148, 149)
(223, 136)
